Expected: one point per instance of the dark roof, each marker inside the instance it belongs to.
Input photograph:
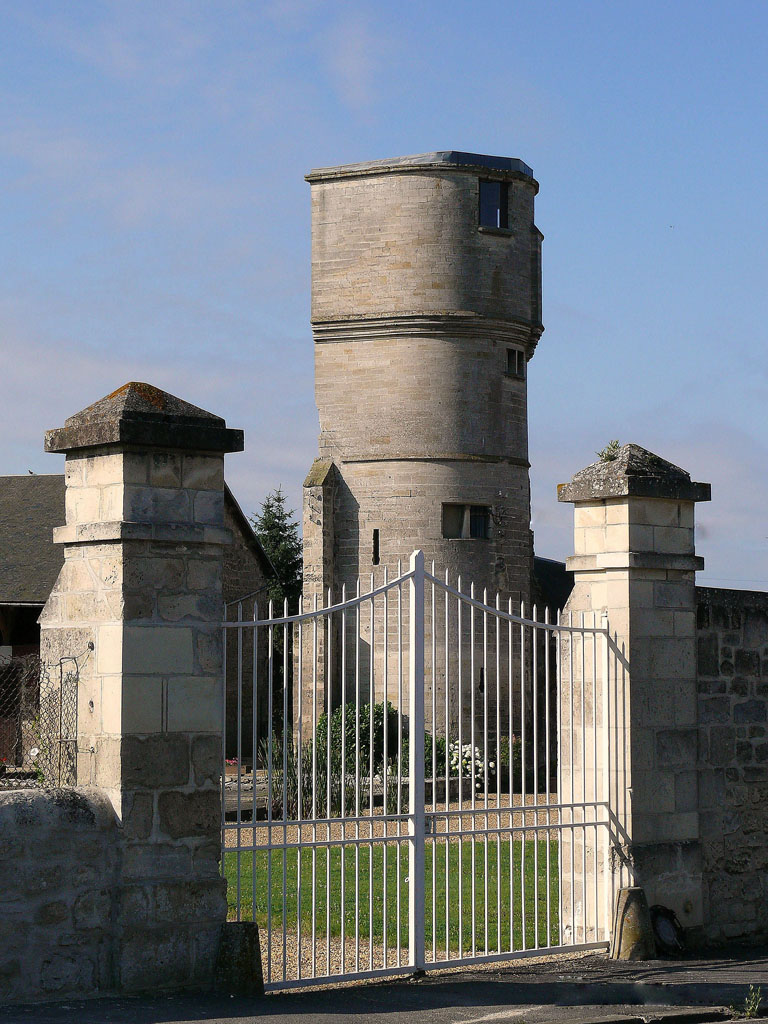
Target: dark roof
(633, 471)
(30, 507)
(553, 582)
(139, 413)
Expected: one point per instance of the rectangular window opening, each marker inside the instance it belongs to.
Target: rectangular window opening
(515, 362)
(494, 204)
(463, 522)
(375, 559)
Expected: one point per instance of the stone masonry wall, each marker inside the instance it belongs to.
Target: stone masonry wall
(732, 629)
(59, 868)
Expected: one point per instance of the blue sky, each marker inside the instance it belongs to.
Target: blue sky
(156, 220)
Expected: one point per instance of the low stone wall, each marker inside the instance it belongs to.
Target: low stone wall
(732, 633)
(59, 871)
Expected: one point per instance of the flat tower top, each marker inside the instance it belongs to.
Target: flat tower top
(501, 166)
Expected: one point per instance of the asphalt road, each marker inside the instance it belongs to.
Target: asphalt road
(566, 992)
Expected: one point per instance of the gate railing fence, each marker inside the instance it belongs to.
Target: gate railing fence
(417, 781)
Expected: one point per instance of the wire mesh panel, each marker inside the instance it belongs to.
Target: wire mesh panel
(38, 725)
(394, 792)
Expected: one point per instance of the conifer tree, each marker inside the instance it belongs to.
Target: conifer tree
(278, 532)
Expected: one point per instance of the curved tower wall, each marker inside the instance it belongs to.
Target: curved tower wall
(415, 308)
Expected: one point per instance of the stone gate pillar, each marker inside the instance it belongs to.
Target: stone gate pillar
(634, 559)
(141, 583)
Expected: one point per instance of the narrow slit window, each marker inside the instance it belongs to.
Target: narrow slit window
(376, 558)
(494, 204)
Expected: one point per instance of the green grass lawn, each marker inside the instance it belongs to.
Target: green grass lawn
(504, 887)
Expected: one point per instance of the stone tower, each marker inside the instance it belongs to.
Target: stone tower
(426, 309)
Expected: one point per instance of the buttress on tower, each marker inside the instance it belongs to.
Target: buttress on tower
(426, 309)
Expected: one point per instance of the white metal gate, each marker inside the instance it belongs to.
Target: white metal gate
(363, 852)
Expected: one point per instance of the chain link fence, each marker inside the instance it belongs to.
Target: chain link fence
(38, 724)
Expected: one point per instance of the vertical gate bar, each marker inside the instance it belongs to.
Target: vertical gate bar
(224, 745)
(558, 726)
(535, 712)
(270, 719)
(497, 763)
(298, 689)
(285, 788)
(385, 768)
(343, 804)
(583, 783)
(239, 736)
(510, 727)
(372, 702)
(594, 770)
(433, 829)
(416, 820)
(523, 767)
(400, 696)
(357, 775)
(571, 637)
(254, 751)
(547, 769)
(472, 685)
(606, 773)
(447, 773)
(485, 769)
(329, 777)
(314, 785)
(460, 819)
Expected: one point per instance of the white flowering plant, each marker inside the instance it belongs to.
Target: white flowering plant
(462, 758)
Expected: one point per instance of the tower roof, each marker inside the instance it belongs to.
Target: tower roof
(498, 166)
(633, 472)
(142, 414)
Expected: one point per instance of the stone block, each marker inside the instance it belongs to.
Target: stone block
(60, 975)
(750, 711)
(189, 815)
(189, 607)
(53, 913)
(189, 901)
(142, 704)
(135, 905)
(686, 791)
(676, 748)
(138, 815)
(238, 965)
(721, 745)
(711, 788)
(209, 650)
(202, 472)
(747, 663)
(165, 469)
(109, 649)
(714, 709)
(158, 650)
(149, 861)
(206, 860)
(155, 960)
(206, 759)
(194, 704)
(92, 910)
(209, 507)
(157, 505)
(155, 762)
